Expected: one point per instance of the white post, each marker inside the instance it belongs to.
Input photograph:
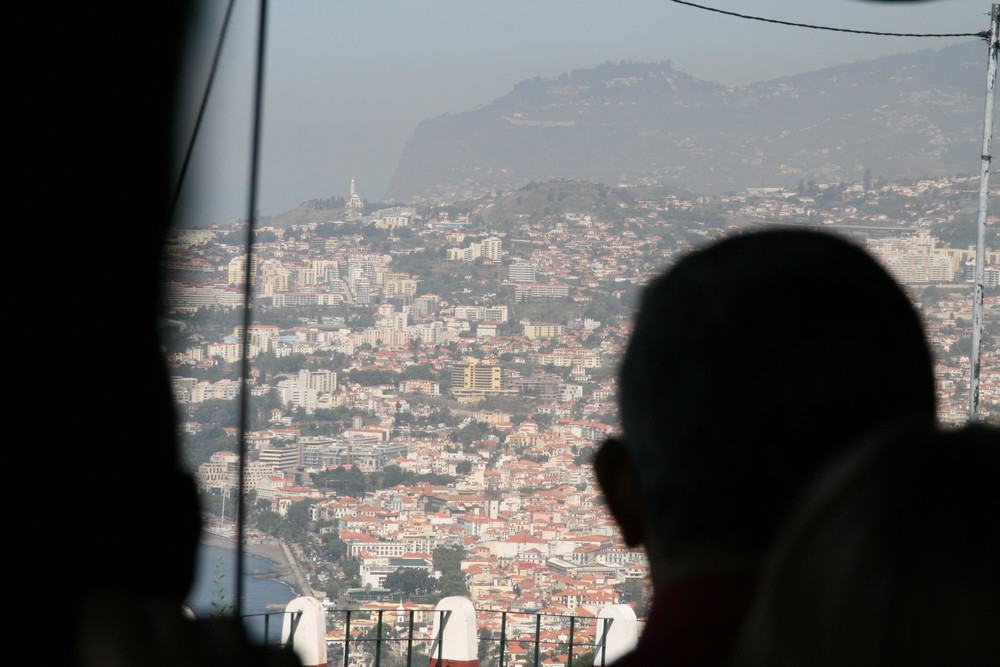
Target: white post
(457, 645)
(617, 633)
(309, 638)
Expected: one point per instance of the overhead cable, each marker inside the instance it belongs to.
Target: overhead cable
(248, 284)
(984, 34)
(201, 108)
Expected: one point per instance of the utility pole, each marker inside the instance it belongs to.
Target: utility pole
(984, 195)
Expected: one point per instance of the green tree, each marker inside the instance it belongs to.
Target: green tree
(298, 514)
(473, 431)
(448, 559)
(351, 571)
(199, 447)
(541, 419)
(345, 481)
(391, 476)
(488, 650)
(410, 581)
(453, 583)
(335, 547)
(216, 411)
(269, 522)
(336, 414)
(419, 372)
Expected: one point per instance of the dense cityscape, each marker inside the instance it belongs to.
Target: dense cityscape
(512, 334)
(428, 382)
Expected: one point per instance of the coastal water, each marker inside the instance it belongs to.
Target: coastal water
(214, 582)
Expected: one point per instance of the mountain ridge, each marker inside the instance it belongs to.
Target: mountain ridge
(899, 116)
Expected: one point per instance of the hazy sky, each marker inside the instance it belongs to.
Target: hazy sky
(347, 83)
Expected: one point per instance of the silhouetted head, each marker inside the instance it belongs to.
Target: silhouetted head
(892, 560)
(752, 361)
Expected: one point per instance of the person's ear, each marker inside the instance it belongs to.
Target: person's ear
(616, 475)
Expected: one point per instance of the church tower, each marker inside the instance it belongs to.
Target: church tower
(354, 201)
(493, 494)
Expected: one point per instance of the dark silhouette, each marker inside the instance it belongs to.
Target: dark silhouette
(104, 565)
(892, 560)
(752, 362)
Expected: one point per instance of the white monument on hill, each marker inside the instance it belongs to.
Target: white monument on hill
(353, 200)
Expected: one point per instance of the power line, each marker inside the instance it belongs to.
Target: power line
(248, 266)
(984, 34)
(201, 108)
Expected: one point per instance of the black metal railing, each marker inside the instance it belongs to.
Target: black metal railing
(266, 619)
(387, 628)
(577, 635)
(410, 635)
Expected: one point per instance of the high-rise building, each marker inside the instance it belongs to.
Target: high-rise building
(324, 381)
(474, 379)
(237, 270)
(491, 248)
(522, 272)
(362, 292)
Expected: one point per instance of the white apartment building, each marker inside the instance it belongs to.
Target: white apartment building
(490, 248)
(522, 272)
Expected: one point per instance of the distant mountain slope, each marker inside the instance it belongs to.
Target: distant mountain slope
(900, 117)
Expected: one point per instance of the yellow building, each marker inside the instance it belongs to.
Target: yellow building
(472, 380)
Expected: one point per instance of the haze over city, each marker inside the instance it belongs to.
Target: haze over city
(459, 209)
(347, 84)
(393, 410)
